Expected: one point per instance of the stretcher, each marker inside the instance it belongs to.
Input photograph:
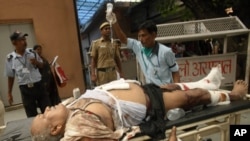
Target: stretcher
(17, 130)
(210, 120)
(193, 126)
(202, 122)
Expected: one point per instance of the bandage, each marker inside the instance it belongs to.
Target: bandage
(122, 86)
(133, 81)
(186, 86)
(211, 82)
(131, 133)
(215, 97)
(117, 84)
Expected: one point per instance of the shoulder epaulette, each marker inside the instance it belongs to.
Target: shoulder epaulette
(95, 41)
(9, 56)
(30, 50)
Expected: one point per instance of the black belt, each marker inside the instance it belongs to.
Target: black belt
(106, 69)
(30, 85)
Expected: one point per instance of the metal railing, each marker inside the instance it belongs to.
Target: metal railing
(191, 30)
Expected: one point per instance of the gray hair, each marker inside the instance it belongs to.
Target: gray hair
(46, 136)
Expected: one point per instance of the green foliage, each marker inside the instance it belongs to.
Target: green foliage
(166, 7)
(186, 14)
(172, 7)
(223, 4)
(200, 9)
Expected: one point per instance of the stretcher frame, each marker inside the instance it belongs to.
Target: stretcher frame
(214, 125)
(203, 29)
(218, 122)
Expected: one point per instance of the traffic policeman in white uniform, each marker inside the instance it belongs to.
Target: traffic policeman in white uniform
(24, 64)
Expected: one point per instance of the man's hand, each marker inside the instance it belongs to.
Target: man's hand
(36, 63)
(172, 135)
(10, 98)
(93, 78)
(171, 87)
(130, 133)
(33, 61)
(121, 75)
(111, 18)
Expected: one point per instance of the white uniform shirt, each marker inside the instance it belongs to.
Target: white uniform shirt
(21, 67)
(158, 66)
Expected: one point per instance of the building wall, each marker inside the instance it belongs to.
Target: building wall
(55, 29)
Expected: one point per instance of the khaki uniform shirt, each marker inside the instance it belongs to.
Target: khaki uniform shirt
(105, 53)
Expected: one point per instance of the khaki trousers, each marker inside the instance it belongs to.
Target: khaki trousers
(105, 77)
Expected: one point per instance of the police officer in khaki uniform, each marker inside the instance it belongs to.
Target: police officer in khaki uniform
(105, 58)
(24, 63)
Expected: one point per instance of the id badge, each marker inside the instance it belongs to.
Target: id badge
(25, 70)
(30, 85)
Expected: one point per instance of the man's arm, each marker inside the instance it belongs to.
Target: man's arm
(39, 63)
(173, 65)
(119, 32)
(176, 77)
(37, 60)
(93, 62)
(36, 63)
(93, 68)
(10, 86)
(118, 60)
(119, 65)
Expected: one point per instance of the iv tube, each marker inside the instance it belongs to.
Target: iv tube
(109, 19)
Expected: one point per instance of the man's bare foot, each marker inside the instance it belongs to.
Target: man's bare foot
(170, 87)
(172, 135)
(239, 90)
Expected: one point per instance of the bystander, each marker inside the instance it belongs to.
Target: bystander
(105, 58)
(48, 78)
(24, 63)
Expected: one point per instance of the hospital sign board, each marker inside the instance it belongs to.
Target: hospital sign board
(195, 68)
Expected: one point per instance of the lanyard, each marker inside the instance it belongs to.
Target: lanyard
(23, 63)
(153, 65)
(149, 60)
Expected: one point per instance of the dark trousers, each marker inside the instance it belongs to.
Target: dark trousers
(34, 97)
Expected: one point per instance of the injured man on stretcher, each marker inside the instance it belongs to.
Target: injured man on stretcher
(120, 109)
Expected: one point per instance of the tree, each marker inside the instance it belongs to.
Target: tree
(203, 9)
